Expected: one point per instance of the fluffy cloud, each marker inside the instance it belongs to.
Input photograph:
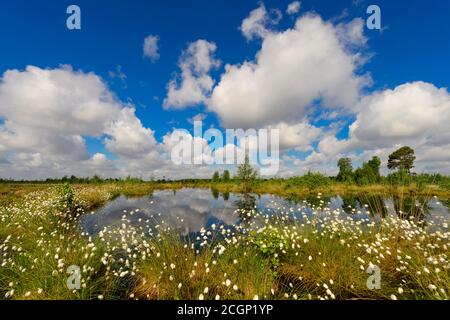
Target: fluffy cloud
(293, 70)
(182, 147)
(150, 47)
(415, 112)
(352, 33)
(255, 24)
(61, 100)
(127, 136)
(48, 113)
(310, 67)
(297, 136)
(196, 83)
(293, 7)
(189, 153)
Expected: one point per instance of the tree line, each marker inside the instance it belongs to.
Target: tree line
(74, 179)
(400, 161)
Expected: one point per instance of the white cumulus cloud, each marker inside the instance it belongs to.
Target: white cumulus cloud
(294, 69)
(417, 112)
(194, 83)
(49, 113)
(259, 22)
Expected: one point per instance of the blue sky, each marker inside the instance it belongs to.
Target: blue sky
(413, 45)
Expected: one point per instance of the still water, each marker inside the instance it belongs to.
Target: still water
(188, 210)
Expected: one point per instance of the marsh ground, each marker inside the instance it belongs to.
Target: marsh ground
(287, 255)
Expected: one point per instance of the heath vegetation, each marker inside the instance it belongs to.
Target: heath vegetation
(310, 251)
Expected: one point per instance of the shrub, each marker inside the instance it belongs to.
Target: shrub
(66, 197)
(311, 180)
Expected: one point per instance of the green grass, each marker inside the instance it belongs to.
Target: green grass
(161, 275)
(287, 256)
